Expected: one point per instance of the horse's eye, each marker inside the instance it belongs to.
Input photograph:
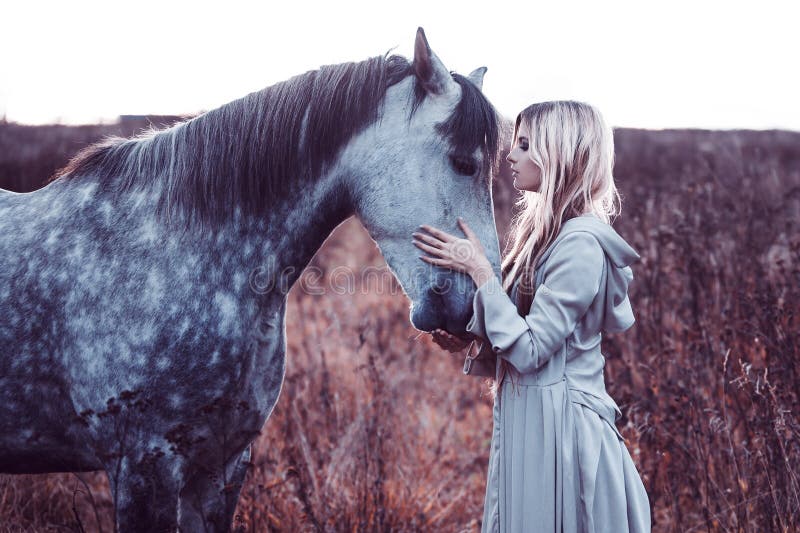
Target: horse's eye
(463, 165)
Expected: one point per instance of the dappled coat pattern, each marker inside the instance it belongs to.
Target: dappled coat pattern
(143, 291)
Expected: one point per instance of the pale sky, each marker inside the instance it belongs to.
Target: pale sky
(669, 64)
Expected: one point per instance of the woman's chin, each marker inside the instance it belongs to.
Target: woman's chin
(521, 187)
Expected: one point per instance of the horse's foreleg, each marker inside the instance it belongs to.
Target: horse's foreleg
(207, 503)
(146, 497)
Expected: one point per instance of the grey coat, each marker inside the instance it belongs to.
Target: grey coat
(557, 459)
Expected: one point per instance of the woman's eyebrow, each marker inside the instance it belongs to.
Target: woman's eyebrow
(522, 138)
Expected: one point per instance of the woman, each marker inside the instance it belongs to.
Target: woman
(557, 461)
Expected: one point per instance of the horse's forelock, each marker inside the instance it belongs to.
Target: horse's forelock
(473, 124)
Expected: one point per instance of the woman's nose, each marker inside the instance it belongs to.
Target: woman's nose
(510, 159)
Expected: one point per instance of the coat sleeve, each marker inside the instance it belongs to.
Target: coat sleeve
(570, 282)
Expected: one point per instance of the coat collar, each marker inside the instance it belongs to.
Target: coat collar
(618, 251)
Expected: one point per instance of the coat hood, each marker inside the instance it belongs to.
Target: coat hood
(618, 315)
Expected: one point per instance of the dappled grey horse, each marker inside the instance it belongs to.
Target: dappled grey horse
(143, 290)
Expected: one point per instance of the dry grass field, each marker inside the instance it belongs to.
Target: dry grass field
(377, 429)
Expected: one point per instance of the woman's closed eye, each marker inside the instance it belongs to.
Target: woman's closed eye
(465, 166)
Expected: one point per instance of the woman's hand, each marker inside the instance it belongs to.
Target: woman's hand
(449, 342)
(464, 255)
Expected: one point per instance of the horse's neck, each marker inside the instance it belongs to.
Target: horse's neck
(286, 235)
(292, 231)
(297, 228)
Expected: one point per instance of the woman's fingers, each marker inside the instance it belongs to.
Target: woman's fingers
(469, 233)
(442, 240)
(454, 253)
(433, 241)
(440, 339)
(452, 343)
(435, 261)
(441, 235)
(447, 341)
(466, 229)
(430, 249)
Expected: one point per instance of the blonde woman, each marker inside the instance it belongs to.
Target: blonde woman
(557, 461)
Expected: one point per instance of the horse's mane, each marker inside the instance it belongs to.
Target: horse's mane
(247, 152)
(473, 124)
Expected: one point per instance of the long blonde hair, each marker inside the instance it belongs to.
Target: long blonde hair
(574, 148)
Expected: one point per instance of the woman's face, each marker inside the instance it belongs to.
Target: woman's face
(527, 175)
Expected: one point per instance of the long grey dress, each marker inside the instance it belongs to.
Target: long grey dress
(557, 461)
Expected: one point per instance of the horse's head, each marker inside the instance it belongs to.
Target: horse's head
(427, 160)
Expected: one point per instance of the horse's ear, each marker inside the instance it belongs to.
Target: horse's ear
(476, 77)
(429, 69)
